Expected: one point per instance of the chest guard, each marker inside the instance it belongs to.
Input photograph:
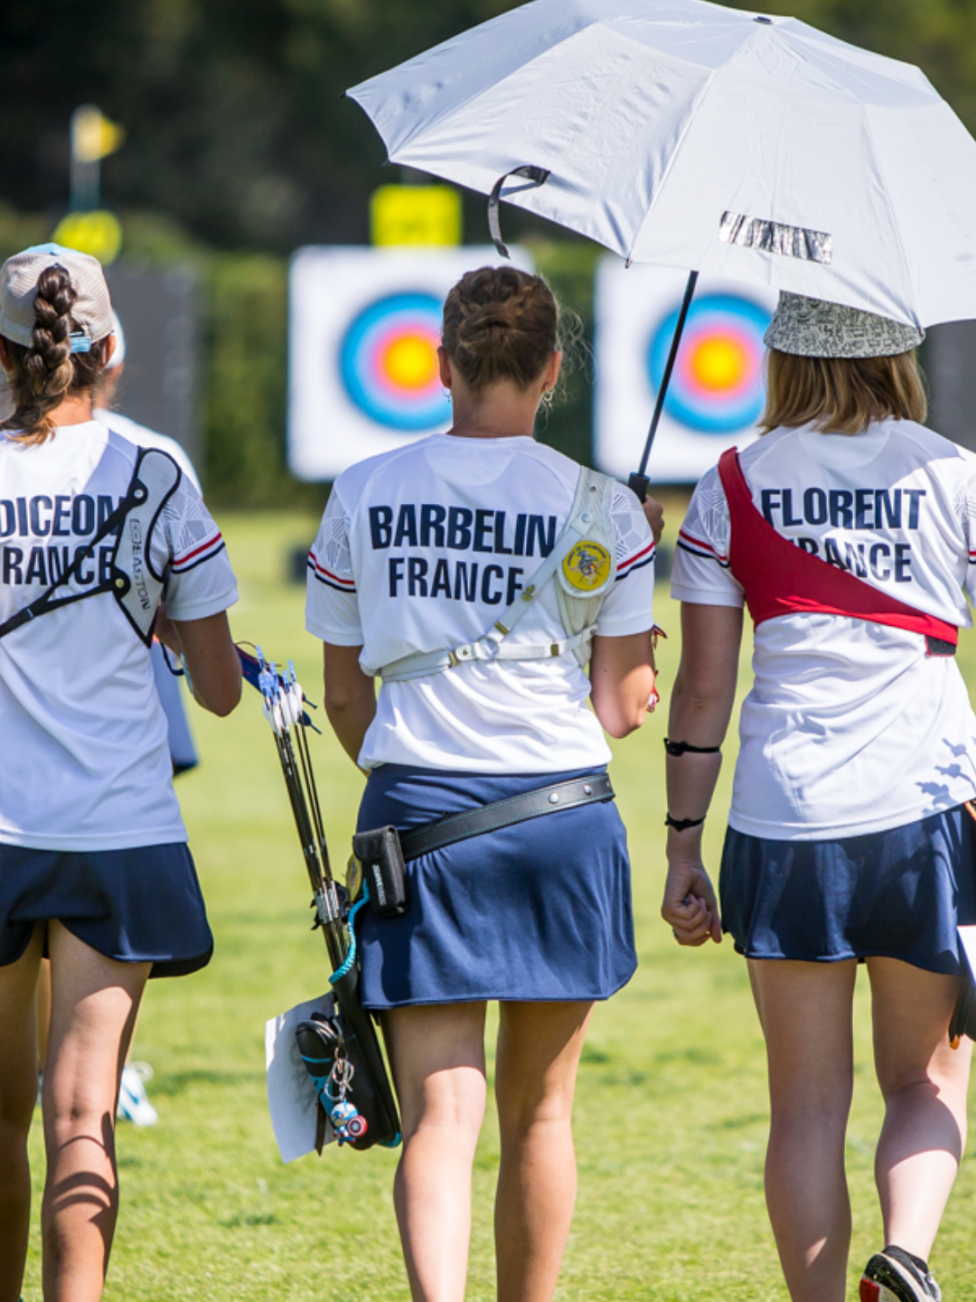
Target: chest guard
(132, 581)
(584, 559)
(589, 568)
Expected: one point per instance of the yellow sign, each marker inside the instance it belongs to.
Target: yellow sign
(93, 136)
(416, 214)
(98, 233)
(587, 567)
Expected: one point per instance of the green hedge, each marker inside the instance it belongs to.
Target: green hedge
(245, 380)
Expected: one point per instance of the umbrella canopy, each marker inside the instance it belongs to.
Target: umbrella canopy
(684, 133)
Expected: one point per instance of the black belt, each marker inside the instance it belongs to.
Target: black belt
(505, 813)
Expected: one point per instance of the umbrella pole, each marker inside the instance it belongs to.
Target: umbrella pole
(638, 481)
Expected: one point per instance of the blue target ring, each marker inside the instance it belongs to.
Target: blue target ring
(388, 362)
(717, 386)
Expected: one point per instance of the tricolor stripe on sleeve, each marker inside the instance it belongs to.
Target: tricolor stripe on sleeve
(636, 562)
(972, 558)
(197, 555)
(330, 579)
(701, 547)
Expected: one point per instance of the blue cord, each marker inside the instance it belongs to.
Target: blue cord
(350, 958)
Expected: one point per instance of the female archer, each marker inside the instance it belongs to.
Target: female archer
(849, 530)
(94, 868)
(476, 573)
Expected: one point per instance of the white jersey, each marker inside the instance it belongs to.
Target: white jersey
(143, 437)
(421, 550)
(850, 727)
(84, 735)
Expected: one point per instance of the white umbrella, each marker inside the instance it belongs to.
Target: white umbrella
(684, 133)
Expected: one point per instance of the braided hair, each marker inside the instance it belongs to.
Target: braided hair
(43, 375)
(500, 324)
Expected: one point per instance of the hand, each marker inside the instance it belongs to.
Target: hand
(689, 906)
(654, 515)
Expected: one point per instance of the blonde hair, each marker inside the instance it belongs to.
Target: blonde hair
(841, 395)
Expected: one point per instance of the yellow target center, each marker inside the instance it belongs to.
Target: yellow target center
(719, 363)
(411, 362)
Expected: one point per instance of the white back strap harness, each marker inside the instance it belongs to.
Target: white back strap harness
(584, 559)
(132, 580)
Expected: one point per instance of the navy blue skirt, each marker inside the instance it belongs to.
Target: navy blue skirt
(895, 894)
(537, 912)
(136, 906)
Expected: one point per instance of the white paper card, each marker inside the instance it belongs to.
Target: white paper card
(291, 1094)
(967, 936)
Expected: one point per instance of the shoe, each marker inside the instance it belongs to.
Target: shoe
(133, 1104)
(896, 1276)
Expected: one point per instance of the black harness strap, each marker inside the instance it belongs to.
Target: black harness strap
(118, 583)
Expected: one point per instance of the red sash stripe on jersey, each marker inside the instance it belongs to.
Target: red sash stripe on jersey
(328, 578)
(197, 555)
(780, 578)
(637, 561)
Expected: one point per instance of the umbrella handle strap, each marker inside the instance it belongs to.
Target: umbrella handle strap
(536, 176)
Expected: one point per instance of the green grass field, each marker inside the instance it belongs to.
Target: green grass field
(671, 1113)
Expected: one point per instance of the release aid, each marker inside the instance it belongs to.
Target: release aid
(321, 1044)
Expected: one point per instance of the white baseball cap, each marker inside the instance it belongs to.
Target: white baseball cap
(118, 356)
(92, 311)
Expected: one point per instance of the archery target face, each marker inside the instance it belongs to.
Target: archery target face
(389, 362)
(364, 332)
(717, 389)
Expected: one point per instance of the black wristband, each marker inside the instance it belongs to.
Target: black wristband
(682, 824)
(678, 748)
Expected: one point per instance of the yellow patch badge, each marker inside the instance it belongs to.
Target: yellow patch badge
(587, 566)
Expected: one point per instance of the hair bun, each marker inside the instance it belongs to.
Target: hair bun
(500, 323)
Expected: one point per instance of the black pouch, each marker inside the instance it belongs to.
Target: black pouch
(384, 870)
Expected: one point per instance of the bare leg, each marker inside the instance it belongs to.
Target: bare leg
(539, 1047)
(806, 1012)
(924, 1084)
(43, 1011)
(18, 1093)
(438, 1057)
(94, 1001)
